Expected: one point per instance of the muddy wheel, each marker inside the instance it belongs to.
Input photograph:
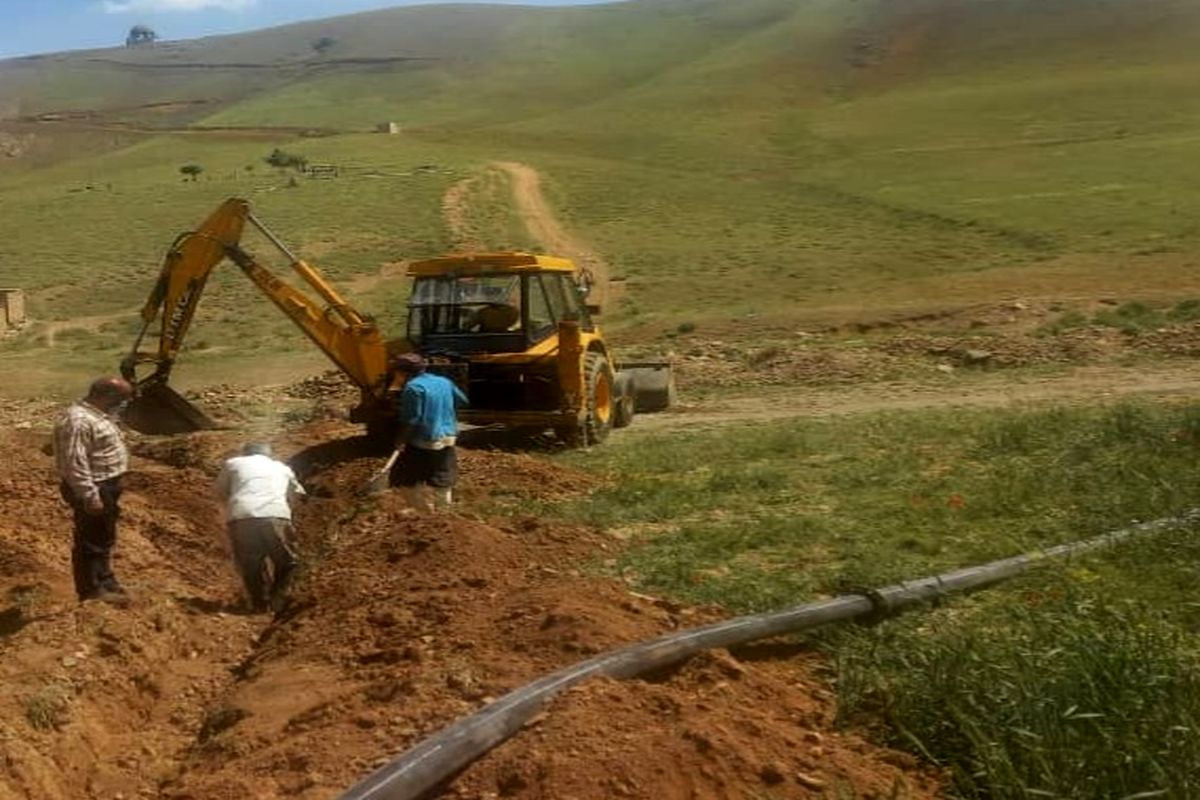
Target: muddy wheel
(625, 404)
(601, 405)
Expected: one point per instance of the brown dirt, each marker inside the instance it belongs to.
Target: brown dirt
(401, 624)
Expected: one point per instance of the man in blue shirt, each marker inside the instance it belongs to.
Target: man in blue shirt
(428, 433)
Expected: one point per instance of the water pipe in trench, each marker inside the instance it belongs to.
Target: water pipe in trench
(431, 762)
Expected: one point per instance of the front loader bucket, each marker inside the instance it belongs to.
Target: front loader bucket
(653, 384)
(160, 410)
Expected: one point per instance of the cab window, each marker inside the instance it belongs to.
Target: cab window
(556, 290)
(538, 314)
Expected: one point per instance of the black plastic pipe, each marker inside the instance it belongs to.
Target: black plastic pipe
(432, 761)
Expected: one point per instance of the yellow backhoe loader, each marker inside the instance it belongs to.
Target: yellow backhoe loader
(512, 329)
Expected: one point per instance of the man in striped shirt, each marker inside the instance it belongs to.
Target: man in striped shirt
(90, 455)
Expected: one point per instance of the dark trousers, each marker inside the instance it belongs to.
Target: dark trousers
(95, 536)
(264, 558)
(416, 465)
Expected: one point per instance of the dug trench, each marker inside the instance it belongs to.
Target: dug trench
(400, 624)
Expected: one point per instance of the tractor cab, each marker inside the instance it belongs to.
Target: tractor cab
(492, 303)
(515, 332)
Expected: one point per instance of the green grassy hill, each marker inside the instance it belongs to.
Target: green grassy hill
(765, 162)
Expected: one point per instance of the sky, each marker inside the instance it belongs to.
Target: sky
(45, 26)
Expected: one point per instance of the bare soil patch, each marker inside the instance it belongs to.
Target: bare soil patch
(401, 624)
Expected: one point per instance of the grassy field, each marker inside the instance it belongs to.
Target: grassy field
(752, 161)
(1024, 691)
(739, 163)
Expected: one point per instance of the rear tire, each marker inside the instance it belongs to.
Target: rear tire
(654, 389)
(600, 404)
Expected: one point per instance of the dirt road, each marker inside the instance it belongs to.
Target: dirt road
(539, 218)
(544, 226)
(997, 390)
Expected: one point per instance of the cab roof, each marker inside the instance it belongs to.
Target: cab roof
(482, 263)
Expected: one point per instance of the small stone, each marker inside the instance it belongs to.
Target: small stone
(977, 356)
(537, 719)
(809, 781)
(946, 368)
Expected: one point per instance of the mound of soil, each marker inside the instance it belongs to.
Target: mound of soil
(400, 624)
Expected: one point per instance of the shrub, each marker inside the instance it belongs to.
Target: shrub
(1185, 311)
(1131, 317)
(284, 160)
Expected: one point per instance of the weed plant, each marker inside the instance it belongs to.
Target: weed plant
(48, 708)
(1063, 688)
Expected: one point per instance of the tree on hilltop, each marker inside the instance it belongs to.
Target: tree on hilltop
(282, 160)
(140, 34)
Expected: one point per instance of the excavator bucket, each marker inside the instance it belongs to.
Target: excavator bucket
(160, 410)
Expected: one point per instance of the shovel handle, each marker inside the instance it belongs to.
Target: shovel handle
(387, 466)
(375, 485)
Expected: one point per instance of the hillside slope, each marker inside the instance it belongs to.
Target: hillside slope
(742, 164)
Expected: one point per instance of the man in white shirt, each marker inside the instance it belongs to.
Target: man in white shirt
(257, 490)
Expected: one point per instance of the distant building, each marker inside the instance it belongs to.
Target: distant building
(388, 127)
(12, 309)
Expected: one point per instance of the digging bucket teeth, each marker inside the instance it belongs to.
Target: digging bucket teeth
(160, 410)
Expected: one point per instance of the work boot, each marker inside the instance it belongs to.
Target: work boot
(443, 498)
(417, 497)
(118, 598)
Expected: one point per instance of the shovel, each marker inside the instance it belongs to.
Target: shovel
(379, 480)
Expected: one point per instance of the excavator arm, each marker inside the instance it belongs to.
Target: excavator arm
(352, 341)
